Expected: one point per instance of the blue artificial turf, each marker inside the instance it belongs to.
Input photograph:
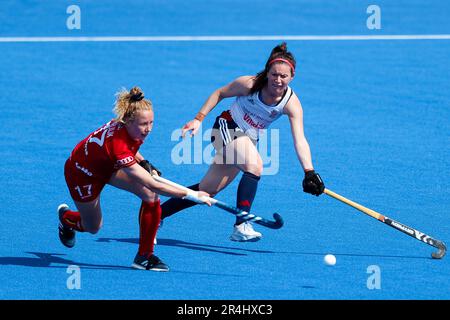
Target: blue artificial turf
(376, 115)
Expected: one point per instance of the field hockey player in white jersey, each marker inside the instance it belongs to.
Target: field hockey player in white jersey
(260, 100)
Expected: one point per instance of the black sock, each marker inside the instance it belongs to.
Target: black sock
(173, 205)
(246, 192)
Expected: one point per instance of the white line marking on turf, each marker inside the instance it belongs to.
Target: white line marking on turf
(227, 38)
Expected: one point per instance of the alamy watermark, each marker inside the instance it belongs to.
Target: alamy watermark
(200, 150)
(373, 22)
(74, 279)
(374, 280)
(74, 20)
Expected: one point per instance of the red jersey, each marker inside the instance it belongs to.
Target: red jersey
(105, 151)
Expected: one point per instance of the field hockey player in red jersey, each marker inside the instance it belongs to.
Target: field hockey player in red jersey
(110, 155)
(260, 100)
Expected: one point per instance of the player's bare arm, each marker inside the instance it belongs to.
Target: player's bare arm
(139, 157)
(139, 174)
(294, 111)
(239, 87)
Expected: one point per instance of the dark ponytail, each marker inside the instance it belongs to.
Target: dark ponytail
(279, 52)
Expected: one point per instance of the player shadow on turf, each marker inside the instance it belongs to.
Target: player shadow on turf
(52, 260)
(215, 248)
(189, 245)
(321, 254)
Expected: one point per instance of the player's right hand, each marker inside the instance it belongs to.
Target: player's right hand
(205, 197)
(192, 126)
(199, 197)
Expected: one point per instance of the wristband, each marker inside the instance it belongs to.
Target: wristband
(200, 116)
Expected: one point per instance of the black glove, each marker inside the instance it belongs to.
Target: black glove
(312, 183)
(149, 167)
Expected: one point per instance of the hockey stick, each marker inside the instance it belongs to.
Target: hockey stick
(395, 224)
(244, 215)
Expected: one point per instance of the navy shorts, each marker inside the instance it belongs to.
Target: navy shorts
(225, 130)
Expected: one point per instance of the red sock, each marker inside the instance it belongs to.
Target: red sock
(72, 219)
(149, 219)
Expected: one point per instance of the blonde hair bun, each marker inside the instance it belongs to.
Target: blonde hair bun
(129, 102)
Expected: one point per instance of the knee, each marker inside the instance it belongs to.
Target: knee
(93, 229)
(149, 196)
(91, 223)
(255, 169)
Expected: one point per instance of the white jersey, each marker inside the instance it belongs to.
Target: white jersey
(252, 115)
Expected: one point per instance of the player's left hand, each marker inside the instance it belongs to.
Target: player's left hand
(149, 167)
(312, 183)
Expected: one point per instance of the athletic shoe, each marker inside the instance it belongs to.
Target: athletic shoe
(149, 263)
(66, 234)
(244, 232)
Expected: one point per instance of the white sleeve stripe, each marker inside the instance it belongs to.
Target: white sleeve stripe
(224, 131)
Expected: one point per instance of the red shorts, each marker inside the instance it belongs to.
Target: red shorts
(82, 187)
